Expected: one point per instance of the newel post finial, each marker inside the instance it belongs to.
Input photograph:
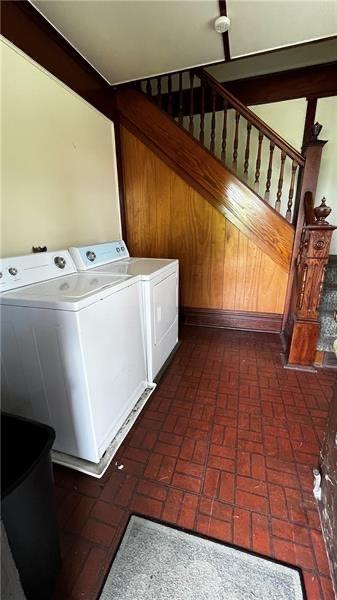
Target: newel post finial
(316, 130)
(321, 212)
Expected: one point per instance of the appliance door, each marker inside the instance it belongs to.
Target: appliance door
(164, 321)
(112, 337)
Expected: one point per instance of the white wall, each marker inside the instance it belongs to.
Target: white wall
(326, 114)
(59, 182)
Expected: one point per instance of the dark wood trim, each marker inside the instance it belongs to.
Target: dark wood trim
(120, 177)
(250, 116)
(26, 28)
(325, 360)
(311, 82)
(316, 81)
(232, 319)
(205, 173)
(225, 36)
(309, 121)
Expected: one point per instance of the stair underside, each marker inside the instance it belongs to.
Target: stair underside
(238, 203)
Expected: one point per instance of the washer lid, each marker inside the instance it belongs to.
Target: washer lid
(71, 292)
(146, 268)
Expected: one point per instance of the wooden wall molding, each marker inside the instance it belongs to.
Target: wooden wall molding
(232, 198)
(232, 319)
(315, 81)
(29, 31)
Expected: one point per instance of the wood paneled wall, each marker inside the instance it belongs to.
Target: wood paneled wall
(220, 267)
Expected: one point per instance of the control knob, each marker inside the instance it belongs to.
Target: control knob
(13, 271)
(60, 262)
(91, 255)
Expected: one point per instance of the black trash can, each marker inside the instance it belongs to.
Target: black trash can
(27, 502)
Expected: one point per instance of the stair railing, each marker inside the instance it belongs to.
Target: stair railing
(230, 130)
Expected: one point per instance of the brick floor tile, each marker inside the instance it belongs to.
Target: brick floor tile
(227, 483)
(172, 506)
(277, 500)
(312, 585)
(167, 449)
(327, 589)
(211, 483)
(158, 492)
(294, 554)
(291, 532)
(320, 552)
(188, 468)
(260, 534)
(108, 513)
(90, 578)
(251, 485)
(146, 506)
(186, 482)
(188, 511)
(251, 501)
(211, 507)
(80, 514)
(214, 528)
(242, 527)
(258, 466)
(98, 533)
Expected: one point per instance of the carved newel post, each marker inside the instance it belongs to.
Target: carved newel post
(312, 261)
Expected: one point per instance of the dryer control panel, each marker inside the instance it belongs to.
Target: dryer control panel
(86, 257)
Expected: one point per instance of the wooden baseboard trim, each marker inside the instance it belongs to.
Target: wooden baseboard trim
(232, 319)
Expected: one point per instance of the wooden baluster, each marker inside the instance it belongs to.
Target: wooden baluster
(169, 91)
(246, 163)
(258, 162)
(181, 104)
(280, 183)
(202, 113)
(236, 140)
(148, 88)
(159, 91)
(224, 132)
(191, 123)
(270, 171)
(212, 144)
(291, 191)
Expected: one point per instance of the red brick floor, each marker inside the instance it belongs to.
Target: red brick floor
(225, 447)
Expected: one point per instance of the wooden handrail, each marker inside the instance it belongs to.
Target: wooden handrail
(250, 116)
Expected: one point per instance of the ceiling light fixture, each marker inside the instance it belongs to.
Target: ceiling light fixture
(222, 24)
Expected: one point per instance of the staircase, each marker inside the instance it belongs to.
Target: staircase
(328, 308)
(259, 272)
(223, 125)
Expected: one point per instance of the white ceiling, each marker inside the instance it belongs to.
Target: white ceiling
(133, 39)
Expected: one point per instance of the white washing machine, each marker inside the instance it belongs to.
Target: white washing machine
(160, 281)
(73, 353)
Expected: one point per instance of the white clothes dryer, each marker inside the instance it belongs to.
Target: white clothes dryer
(160, 282)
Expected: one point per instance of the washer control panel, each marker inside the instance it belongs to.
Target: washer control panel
(18, 271)
(86, 257)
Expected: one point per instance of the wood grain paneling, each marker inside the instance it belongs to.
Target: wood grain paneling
(220, 267)
(241, 206)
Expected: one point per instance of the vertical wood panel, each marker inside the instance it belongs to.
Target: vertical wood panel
(220, 267)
